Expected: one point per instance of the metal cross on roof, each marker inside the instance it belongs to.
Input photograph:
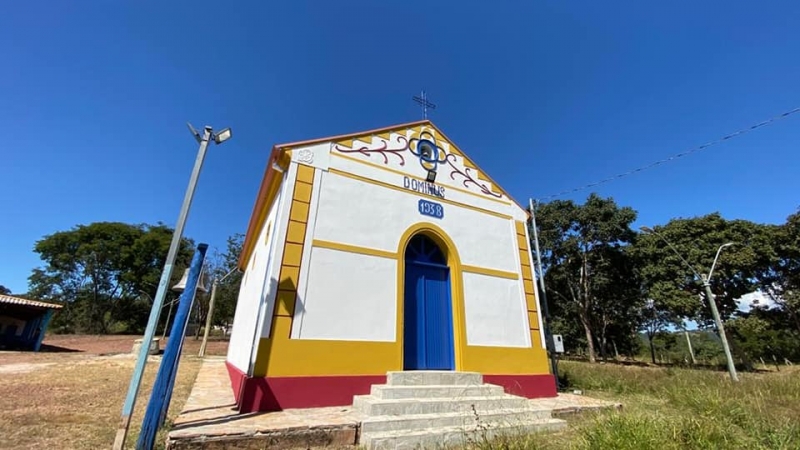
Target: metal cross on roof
(423, 101)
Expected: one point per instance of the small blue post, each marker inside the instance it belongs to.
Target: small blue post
(165, 379)
(45, 321)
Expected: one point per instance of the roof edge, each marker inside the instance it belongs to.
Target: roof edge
(12, 300)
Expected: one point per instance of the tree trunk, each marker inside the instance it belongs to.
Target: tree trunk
(616, 352)
(652, 348)
(589, 341)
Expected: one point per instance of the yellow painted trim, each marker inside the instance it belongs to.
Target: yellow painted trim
(400, 172)
(528, 285)
(520, 226)
(296, 232)
(284, 303)
(289, 278)
(400, 189)
(533, 320)
(268, 234)
(522, 242)
(302, 192)
(292, 254)
(526, 273)
(440, 237)
(507, 360)
(299, 211)
(523, 257)
(530, 301)
(305, 174)
(271, 196)
(354, 249)
(490, 272)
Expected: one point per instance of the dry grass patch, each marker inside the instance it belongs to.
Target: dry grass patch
(77, 404)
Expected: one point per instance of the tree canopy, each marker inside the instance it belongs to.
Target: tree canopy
(607, 282)
(105, 274)
(587, 268)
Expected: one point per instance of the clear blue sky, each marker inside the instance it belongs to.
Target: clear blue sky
(544, 95)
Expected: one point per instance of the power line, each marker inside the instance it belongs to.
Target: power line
(673, 157)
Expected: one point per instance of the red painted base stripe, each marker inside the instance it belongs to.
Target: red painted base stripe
(277, 393)
(237, 380)
(529, 386)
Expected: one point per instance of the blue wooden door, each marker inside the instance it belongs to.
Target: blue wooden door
(428, 315)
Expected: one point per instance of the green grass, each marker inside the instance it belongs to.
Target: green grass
(667, 409)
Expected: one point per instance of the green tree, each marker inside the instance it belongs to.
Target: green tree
(587, 271)
(228, 289)
(224, 267)
(668, 281)
(779, 277)
(654, 317)
(4, 290)
(100, 272)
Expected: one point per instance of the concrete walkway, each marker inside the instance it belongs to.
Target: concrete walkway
(209, 419)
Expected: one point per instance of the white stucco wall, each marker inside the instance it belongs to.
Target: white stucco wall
(371, 216)
(349, 297)
(454, 188)
(252, 290)
(494, 312)
(273, 271)
(352, 212)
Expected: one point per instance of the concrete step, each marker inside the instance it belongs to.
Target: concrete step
(372, 406)
(384, 391)
(452, 436)
(377, 424)
(433, 377)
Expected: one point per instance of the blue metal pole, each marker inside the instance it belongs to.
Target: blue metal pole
(165, 379)
(158, 301)
(43, 328)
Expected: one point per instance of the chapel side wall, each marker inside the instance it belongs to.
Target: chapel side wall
(252, 290)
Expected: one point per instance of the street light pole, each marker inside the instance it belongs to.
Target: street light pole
(549, 344)
(211, 311)
(166, 274)
(715, 313)
(712, 302)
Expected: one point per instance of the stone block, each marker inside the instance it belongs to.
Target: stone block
(155, 346)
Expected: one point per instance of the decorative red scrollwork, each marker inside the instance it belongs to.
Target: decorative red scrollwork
(384, 150)
(468, 177)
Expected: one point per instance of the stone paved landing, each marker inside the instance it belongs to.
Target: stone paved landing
(209, 419)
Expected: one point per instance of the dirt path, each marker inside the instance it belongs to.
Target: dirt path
(61, 348)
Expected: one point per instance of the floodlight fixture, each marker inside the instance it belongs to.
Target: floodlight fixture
(222, 136)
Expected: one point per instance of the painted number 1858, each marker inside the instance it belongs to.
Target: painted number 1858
(431, 209)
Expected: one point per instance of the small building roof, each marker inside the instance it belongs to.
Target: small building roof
(7, 299)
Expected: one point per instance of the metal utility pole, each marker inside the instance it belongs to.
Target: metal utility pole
(689, 343)
(547, 334)
(166, 274)
(211, 311)
(712, 302)
(721, 329)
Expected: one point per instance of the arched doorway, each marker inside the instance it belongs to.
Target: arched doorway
(427, 310)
